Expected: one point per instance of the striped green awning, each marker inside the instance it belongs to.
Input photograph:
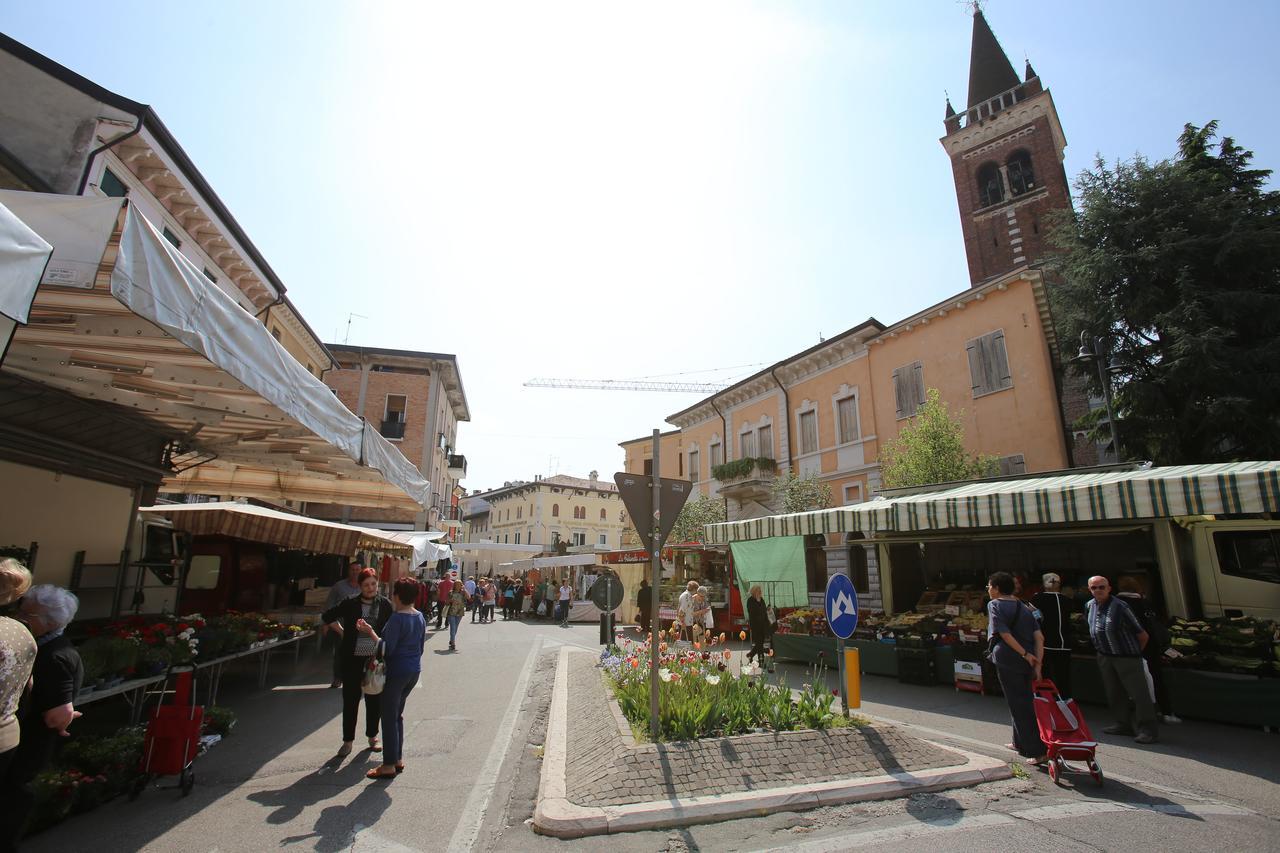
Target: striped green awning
(1227, 488)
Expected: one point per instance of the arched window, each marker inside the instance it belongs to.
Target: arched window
(603, 515)
(1021, 178)
(555, 510)
(990, 190)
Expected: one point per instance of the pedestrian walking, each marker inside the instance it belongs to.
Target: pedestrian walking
(490, 599)
(473, 600)
(702, 618)
(757, 622)
(400, 645)
(1016, 648)
(357, 651)
(1119, 639)
(457, 606)
(517, 603)
(508, 598)
(566, 602)
(684, 610)
(338, 593)
(443, 590)
(644, 604)
(1055, 611)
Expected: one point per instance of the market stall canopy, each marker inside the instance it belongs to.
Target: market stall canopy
(1168, 492)
(555, 562)
(23, 255)
(426, 544)
(121, 316)
(272, 527)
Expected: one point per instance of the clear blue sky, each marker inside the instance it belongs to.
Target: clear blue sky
(608, 190)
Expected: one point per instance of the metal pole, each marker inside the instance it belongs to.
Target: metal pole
(844, 691)
(655, 577)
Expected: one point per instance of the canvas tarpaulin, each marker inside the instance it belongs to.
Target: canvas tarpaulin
(777, 565)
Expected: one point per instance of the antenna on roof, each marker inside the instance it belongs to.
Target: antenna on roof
(347, 338)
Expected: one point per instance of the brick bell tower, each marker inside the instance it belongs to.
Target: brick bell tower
(1006, 151)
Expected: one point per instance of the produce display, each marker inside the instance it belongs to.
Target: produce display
(1240, 644)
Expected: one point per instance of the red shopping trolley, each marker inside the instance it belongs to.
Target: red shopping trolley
(1064, 731)
(172, 740)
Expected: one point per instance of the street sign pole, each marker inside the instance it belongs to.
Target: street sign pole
(842, 616)
(844, 684)
(655, 578)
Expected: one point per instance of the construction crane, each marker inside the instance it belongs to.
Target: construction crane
(627, 385)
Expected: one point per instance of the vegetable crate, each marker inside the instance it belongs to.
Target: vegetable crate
(172, 740)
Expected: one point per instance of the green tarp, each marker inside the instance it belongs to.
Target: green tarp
(777, 565)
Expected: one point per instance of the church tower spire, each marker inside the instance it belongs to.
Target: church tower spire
(1006, 149)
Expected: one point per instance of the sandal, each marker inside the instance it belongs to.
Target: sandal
(345, 749)
(376, 773)
(399, 766)
(1039, 762)
(374, 746)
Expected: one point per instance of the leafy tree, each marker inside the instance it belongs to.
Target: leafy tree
(801, 494)
(1176, 266)
(693, 515)
(930, 449)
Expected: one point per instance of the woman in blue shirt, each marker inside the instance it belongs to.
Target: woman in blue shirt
(1017, 653)
(400, 645)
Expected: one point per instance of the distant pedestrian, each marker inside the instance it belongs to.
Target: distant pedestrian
(1017, 646)
(644, 604)
(757, 622)
(702, 618)
(517, 603)
(401, 646)
(508, 599)
(338, 593)
(566, 602)
(1119, 639)
(443, 590)
(684, 610)
(357, 651)
(490, 598)
(457, 606)
(1055, 623)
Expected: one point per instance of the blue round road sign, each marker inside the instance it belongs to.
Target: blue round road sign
(842, 606)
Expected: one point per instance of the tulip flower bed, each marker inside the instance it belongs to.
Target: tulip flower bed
(702, 696)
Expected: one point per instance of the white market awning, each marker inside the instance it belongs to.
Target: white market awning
(1168, 492)
(426, 544)
(23, 255)
(121, 316)
(566, 561)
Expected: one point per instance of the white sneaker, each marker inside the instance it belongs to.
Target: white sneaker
(1171, 719)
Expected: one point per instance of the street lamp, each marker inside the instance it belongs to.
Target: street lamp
(1096, 350)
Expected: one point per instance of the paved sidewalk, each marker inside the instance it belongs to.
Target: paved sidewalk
(596, 780)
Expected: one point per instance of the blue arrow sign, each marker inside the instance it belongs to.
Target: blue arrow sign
(842, 606)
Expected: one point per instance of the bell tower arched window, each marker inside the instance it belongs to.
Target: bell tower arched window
(990, 188)
(1021, 178)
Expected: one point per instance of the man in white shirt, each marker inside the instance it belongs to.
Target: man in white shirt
(684, 610)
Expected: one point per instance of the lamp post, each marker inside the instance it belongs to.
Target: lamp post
(1097, 351)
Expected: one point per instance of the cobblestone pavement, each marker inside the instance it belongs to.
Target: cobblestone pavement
(603, 770)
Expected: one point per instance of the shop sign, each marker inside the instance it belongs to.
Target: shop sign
(638, 555)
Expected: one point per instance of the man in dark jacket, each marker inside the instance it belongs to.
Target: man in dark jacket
(1054, 610)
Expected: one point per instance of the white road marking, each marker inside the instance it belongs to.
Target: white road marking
(464, 835)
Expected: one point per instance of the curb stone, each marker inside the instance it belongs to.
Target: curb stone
(557, 816)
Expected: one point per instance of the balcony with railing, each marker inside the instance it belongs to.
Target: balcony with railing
(457, 466)
(746, 479)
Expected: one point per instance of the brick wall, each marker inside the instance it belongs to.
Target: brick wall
(413, 387)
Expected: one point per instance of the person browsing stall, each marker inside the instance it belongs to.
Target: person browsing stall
(1017, 648)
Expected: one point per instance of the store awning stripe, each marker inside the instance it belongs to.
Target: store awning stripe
(1221, 488)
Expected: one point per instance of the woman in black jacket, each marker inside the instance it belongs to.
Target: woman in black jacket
(355, 652)
(758, 621)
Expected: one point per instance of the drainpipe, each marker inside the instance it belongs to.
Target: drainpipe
(724, 443)
(786, 401)
(93, 155)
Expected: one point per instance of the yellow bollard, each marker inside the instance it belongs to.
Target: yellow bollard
(853, 678)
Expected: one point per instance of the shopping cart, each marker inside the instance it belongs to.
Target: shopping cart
(1064, 731)
(172, 740)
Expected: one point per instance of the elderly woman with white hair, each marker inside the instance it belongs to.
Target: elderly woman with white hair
(48, 710)
(17, 655)
(1055, 611)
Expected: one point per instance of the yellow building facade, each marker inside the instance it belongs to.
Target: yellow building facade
(581, 513)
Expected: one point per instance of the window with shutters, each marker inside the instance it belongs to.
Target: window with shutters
(808, 432)
(693, 466)
(764, 441)
(988, 364)
(847, 430)
(908, 389)
(747, 445)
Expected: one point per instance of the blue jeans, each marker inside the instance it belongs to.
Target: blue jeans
(453, 628)
(394, 696)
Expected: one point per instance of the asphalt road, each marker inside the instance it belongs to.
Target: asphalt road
(475, 725)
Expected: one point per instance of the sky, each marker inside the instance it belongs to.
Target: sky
(592, 190)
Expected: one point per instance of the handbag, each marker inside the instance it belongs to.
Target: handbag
(375, 677)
